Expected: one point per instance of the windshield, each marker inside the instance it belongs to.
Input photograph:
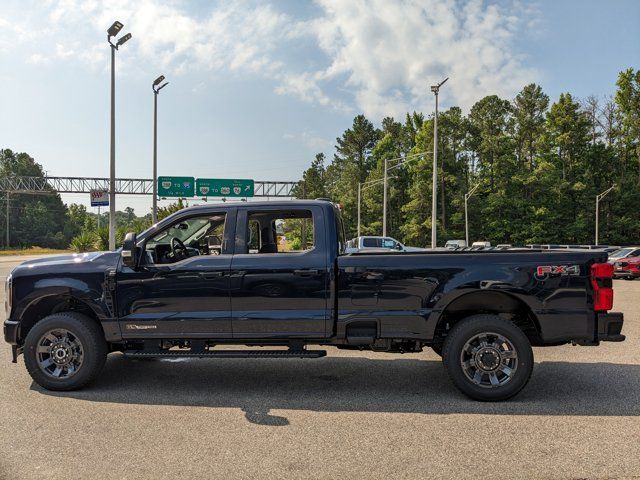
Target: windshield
(621, 253)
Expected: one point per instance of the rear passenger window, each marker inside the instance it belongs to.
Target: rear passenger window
(371, 242)
(282, 231)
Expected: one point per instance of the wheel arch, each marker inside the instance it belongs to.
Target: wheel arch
(46, 305)
(500, 303)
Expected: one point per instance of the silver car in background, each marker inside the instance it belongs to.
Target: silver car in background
(375, 243)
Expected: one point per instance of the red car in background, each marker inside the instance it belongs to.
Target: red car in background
(627, 268)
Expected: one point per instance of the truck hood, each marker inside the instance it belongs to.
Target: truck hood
(53, 263)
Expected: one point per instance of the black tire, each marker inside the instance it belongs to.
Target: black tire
(85, 332)
(458, 347)
(437, 347)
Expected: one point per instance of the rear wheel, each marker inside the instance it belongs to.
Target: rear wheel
(488, 358)
(65, 351)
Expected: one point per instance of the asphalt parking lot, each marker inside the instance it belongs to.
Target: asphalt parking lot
(349, 415)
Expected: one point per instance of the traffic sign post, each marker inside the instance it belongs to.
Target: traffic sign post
(181, 187)
(221, 187)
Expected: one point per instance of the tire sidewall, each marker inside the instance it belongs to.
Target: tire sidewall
(93, 356)
(472, 326)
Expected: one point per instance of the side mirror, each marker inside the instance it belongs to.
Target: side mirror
(130, 251)
(398, 247)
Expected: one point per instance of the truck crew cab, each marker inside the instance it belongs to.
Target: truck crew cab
(269, 275)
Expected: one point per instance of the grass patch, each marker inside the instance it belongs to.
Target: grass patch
(32, 251)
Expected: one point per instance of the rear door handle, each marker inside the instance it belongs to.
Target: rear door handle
(306, 272)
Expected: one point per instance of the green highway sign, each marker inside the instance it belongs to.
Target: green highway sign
(221, 187)
(175, 186)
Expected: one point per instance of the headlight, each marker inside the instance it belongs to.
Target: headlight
(8, 294)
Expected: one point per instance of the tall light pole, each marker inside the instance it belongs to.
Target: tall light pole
(467, 196)
(359, 195)
(434, 188)
(156, 87)
(112, 32)
(599, 197)
(384, 202)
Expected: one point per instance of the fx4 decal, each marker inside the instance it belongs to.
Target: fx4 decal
(543, 271)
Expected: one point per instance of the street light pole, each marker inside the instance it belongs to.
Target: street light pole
(112, 32)
(156, 90)
(384, 202)
(7, 219)
(434, 187)
(112, 156)
(359, 194)
(466, 211)
(599, 197)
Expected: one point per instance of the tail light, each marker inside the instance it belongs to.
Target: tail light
(601, 280)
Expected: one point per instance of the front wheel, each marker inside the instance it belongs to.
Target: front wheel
(65, 351)
(488, 358)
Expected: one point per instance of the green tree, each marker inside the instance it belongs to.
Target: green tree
(313, 183)
(34, 220)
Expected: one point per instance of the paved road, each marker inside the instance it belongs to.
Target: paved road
(350, 415)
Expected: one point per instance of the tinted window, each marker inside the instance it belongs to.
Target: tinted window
(371, 242)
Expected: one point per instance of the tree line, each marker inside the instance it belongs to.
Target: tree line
(538, 167)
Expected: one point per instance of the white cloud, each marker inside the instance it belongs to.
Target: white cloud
(374, 56)
(389, 53)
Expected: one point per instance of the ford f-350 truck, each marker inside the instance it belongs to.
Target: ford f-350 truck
(274, 278)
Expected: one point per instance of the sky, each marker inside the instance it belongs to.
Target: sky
(256, 89)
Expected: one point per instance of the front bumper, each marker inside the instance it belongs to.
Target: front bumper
(11, 331)
(625, 274)
(610, 327)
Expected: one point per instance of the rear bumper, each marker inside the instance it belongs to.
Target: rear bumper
(610, 327)
(11, 331)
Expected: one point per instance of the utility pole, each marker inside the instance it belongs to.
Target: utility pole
(156, 82)
(434, 188)
(112, 32)
(384, 202)
(364, 186)
(599, 197)
(466, 211)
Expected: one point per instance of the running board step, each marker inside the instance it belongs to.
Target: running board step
(230, 354)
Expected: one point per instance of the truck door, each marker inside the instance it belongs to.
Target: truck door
(181, 288)
(280, 273)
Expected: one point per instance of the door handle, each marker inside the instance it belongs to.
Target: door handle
(306, 272)
(212, 275)
(187, 276)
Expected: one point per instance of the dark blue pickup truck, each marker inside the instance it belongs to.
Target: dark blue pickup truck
(273, 277)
